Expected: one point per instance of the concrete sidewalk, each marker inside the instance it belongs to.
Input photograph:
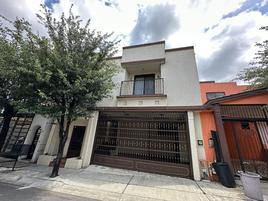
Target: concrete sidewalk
(110, 184)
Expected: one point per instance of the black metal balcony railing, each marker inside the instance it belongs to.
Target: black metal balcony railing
(142, 87)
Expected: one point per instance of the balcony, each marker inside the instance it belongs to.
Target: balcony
(143, 87)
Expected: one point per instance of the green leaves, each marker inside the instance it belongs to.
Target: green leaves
(15, 59)
(257, 75)
(75, 70)
(62, 75)
(67, 71)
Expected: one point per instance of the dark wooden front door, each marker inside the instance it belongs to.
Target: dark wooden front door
(76, 141)
(145, 141)
(34, 143)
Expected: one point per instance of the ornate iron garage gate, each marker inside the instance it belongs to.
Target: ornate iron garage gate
(150, 142)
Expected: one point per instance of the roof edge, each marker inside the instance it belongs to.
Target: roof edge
(154, 108)
(179, 48)
(144, 44)
(116, 57)
(237, 96)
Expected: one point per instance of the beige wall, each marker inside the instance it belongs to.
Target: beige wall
(86, 149)
(45, 125)
(145, 102)
(181, 82)
(181, 85)
(181, 78)
(199, 136)
(121, 76)
(148, 52)
(193, 144)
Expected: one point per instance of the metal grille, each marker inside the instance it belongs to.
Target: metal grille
(256, 112)
(18, 129)
(127, 87)
(151, 137)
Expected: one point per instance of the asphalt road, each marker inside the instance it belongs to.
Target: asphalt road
(10, 192)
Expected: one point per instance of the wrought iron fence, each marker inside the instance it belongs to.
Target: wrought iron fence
(141, 87)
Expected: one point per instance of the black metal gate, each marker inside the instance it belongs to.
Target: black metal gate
(150, 142)
(18, 129)
(14, 143)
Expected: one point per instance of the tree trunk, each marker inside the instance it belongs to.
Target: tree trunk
(63, 134)
(8, 113)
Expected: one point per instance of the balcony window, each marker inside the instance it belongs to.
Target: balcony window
(144, 85)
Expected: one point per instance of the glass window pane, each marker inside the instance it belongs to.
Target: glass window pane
(149, 87)
(139, 87)
(213, 95)
(144, 85)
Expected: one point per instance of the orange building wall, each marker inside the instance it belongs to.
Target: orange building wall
(208, 124)
(257, 99)
(207, 118)
(227, 87)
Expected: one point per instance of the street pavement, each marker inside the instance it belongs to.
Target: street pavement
(11, 192)
(112, 184)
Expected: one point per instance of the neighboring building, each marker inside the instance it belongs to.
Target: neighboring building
(30, 130)
(212, 89)
(150, 123)
(240, 118)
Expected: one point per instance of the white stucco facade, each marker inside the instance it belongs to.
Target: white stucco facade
(181, 78)
(51, 148)
(176, 68)
(44, 124)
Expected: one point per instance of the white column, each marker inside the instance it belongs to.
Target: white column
(88, 142)
(50, 139)
(42, 141)
(193, 143)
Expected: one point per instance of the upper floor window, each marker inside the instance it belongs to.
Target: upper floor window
(144, 85)
(212, 95)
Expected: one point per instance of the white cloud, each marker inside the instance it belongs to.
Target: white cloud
(151, 26)
(237, 33)
(229, 47)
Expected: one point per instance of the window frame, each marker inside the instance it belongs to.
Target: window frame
(144, 84)
(217, 92)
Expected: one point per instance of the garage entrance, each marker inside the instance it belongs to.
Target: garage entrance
(144, 141)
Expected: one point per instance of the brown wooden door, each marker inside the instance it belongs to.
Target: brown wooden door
(76, 141)
(151, 142)
(246, 143)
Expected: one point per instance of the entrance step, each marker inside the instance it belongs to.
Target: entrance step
(62, 163)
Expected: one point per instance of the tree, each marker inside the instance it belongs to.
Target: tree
(72, 72)
(15, 55)
(257, 75)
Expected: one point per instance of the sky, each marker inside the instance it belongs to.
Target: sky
(223, 32)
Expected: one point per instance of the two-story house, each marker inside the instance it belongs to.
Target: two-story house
(151, 121)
